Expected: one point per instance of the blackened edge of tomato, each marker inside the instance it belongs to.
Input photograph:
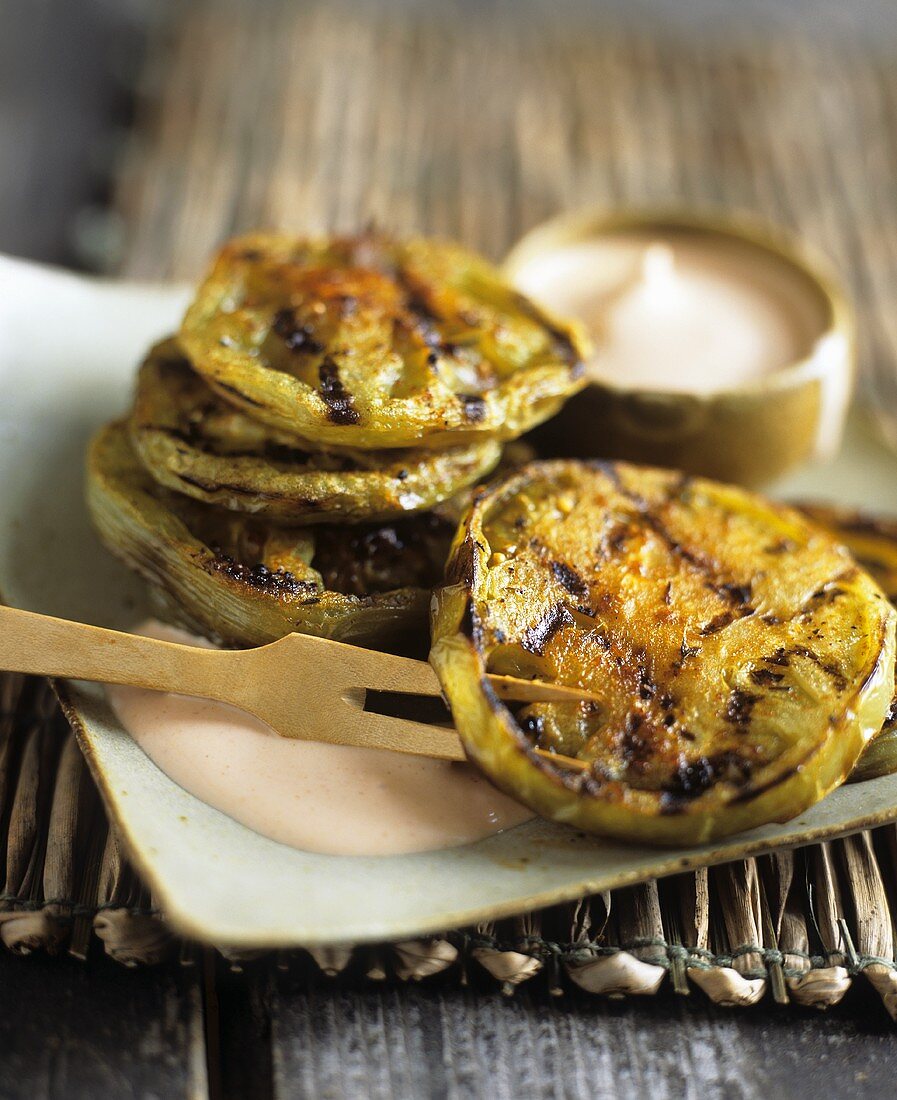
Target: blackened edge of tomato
(694, 777)
(461, 568)
(469, 625)
(340, 403)
(273, 582)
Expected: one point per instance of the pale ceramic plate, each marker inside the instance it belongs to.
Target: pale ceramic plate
(68, 350)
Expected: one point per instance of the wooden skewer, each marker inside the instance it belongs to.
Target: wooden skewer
(539, 691)
(313, 689)
(566, 761)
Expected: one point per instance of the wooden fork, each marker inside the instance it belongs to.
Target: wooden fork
(303, 687)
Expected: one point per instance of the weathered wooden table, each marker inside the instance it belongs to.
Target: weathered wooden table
(474, 120)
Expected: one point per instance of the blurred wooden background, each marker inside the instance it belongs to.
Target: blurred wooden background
(466, 118)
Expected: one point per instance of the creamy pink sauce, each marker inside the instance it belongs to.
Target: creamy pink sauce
(320, 798)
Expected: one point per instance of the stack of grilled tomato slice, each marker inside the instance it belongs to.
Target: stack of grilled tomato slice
(294, 456)
(302, 457)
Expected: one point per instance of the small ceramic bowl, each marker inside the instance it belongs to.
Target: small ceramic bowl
(750, 432)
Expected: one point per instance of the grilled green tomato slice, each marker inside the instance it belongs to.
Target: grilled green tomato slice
(244, 581)
(194, 442)
(742, 657)
(370, 342)
(872, 541)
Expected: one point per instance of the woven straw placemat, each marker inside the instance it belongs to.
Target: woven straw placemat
(801, 925)
(477, 121)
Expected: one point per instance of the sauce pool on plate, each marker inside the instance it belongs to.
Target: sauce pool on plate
(331, 799)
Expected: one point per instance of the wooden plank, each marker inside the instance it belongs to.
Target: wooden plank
(239, 1031)
(63, 103)
(379, 1041)
(75, 1031)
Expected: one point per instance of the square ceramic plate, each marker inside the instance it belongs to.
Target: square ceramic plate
(68, 351)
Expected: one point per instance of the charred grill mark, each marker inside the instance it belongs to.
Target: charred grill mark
(297, 337)
(739, 594)
(569, 579)
(474, 407)
(340, 403)
(690, 780)
(831, 670)
(613, 541)
(736, 592)
(536, 637)
(740, 707)
(828, 592)
(425, 321)
(647, 685)
(696, 560)
(717, 623)
(634, 747)
(693, 777)
(781, 658)
(766, 677)
(561, 341)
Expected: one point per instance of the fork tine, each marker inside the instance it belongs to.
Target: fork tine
(369, 667)
(383, 731)
(387, 672)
